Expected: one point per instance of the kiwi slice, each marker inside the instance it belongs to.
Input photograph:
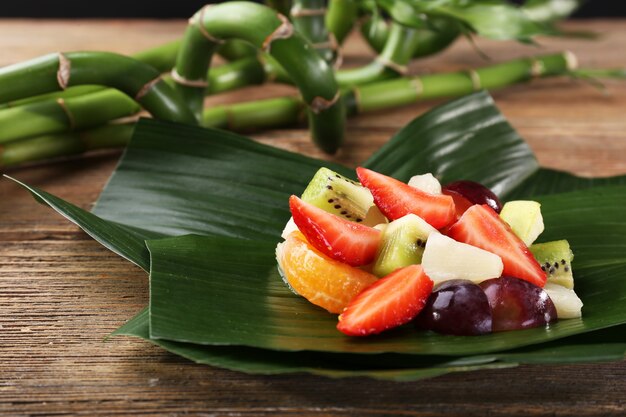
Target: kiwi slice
(403, 243)
(339, 195)
(556, 259)
(525, 219)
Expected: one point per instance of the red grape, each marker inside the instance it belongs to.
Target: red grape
(475, 192)
(517, 304)
(457, 307)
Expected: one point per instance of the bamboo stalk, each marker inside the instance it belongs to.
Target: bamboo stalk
(85, 106)
(57, 72)
(341, 17)
(433, 38)
(391, 62)
(281, 6)
(70, 113)
(393, 93)
(308, 19)
(64, 144)
(271, 33)
(382, 95)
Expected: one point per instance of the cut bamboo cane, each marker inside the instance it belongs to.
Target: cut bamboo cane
(59, 71)
(273, 34)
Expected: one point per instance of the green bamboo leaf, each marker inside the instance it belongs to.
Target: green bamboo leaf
(606, 345)
(489, 18)
(203, 291)
(177, 180)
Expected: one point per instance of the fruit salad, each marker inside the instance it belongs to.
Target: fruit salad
(451, 259)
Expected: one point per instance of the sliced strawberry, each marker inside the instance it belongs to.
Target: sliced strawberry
(390, 302)
(461, 204)
(340, 239)
(396, 199)
(480, 226)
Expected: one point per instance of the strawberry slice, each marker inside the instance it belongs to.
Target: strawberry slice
(396, 199)
(340, 239)
(480, 226)
(390, 302)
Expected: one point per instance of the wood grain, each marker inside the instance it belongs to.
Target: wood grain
(61, 293)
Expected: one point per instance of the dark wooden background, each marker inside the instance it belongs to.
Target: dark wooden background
(185, 8)
(61, 293)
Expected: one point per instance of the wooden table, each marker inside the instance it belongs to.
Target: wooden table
(61, 293)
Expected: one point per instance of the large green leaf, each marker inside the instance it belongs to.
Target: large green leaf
(203, 291)
(176, 180)
(605, 345)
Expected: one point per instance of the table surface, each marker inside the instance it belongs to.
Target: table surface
(61, 293)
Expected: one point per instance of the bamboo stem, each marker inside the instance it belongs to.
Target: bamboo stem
(341, 17)
(433, 38)
(273, 34)
(284, 111)
(57, 72)
(84, 106)
(64, 144)
(393, 93)
(63, 114)
(308, 19)
(391, 62)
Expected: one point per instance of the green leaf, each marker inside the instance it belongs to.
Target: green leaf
(383, 366)
(177, 180)
(203, 291)
(206, 181)
(489, 18)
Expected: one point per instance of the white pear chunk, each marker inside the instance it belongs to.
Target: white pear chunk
(525, 219)
(445, 259)
(289, 228)
(427, 183)
(567, 303)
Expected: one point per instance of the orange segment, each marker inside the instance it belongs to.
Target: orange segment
(323, 281)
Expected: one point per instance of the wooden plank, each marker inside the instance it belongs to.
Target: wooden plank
(61, 293)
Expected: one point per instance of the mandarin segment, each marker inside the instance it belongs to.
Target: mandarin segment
(321, 280)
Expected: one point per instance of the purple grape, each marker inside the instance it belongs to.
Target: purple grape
(476, 193)
(457, 307)
(517, 304)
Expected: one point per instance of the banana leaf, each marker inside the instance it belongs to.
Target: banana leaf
(175, 180)
(394, 367)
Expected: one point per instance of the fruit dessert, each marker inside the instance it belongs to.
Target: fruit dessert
(452, 259)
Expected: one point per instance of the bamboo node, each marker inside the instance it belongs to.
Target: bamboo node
(199, 21)
(536, 67)
(337, 49)
(320, 104)
(571, 61)
(145, 89)
(298, 11)
(70, 117)
(63, 73)
(418, 85)
(283, 31)
(400, 69)
(475, 78)
(179, 79)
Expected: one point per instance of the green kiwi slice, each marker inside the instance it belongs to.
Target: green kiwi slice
(339, 195)
(403, 243)
(556, 259)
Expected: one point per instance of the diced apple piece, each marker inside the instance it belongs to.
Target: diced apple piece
(445, 259)
(426, 182)
(567, 303)
(289, 228)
